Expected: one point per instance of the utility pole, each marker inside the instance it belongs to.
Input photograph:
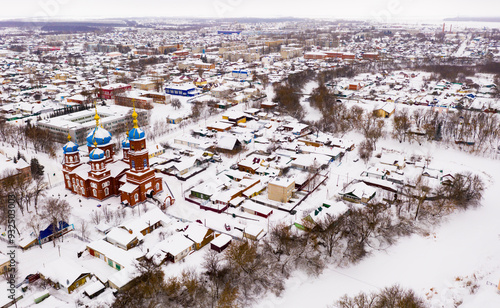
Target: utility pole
(48, 175)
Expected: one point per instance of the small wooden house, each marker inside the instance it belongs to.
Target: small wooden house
(221, 242)
(385, 110)
(199, 234)
(178, 247)
(4, 264)
(358, 193)
(122, 237)
(253, 232)
(64, 273)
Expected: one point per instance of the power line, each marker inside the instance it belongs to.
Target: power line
(359, 280)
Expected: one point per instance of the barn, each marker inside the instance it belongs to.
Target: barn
(221, 242)
(257, 209)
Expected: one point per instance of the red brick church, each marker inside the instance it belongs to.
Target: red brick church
(103, 176)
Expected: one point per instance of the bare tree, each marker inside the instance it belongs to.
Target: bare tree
(83, 225)
(96, 217)
(54, 211)
(107, 213)
(329, 232)
(38, 190)
(36, 224)
(17, 185)
(176, 103)
(401, 124)
(393, 296)
(466, 190)
(372, 128)
(365, 150)
(217, 273)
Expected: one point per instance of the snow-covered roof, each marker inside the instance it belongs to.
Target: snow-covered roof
(128, 187)
(335, 209)
(7, 164)
(120, 236)
(93, 288)
(123, 257)
(176, 244)
(254, 230)
(121, 278)
(283, 182)
(257, 208)
(151, 217)
(360, 190)
(221, 240)
(196, 232)
(227, 142)
(63, 270)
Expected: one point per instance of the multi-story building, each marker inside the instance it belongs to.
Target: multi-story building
(290, 52)
(132, 97)
(113, 118)
(181, 90)
(109, 91)
(144, 84)
(314, 55)
(280, 189)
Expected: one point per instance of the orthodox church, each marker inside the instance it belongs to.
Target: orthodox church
(103, 176)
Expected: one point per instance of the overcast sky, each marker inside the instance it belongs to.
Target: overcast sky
(382, 10)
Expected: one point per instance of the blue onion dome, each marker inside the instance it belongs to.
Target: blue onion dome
(126, 144)
(136, 134)
(96, 154)
(98, 135)
(70, 147)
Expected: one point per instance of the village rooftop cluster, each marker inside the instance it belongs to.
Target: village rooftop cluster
(167, 141)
